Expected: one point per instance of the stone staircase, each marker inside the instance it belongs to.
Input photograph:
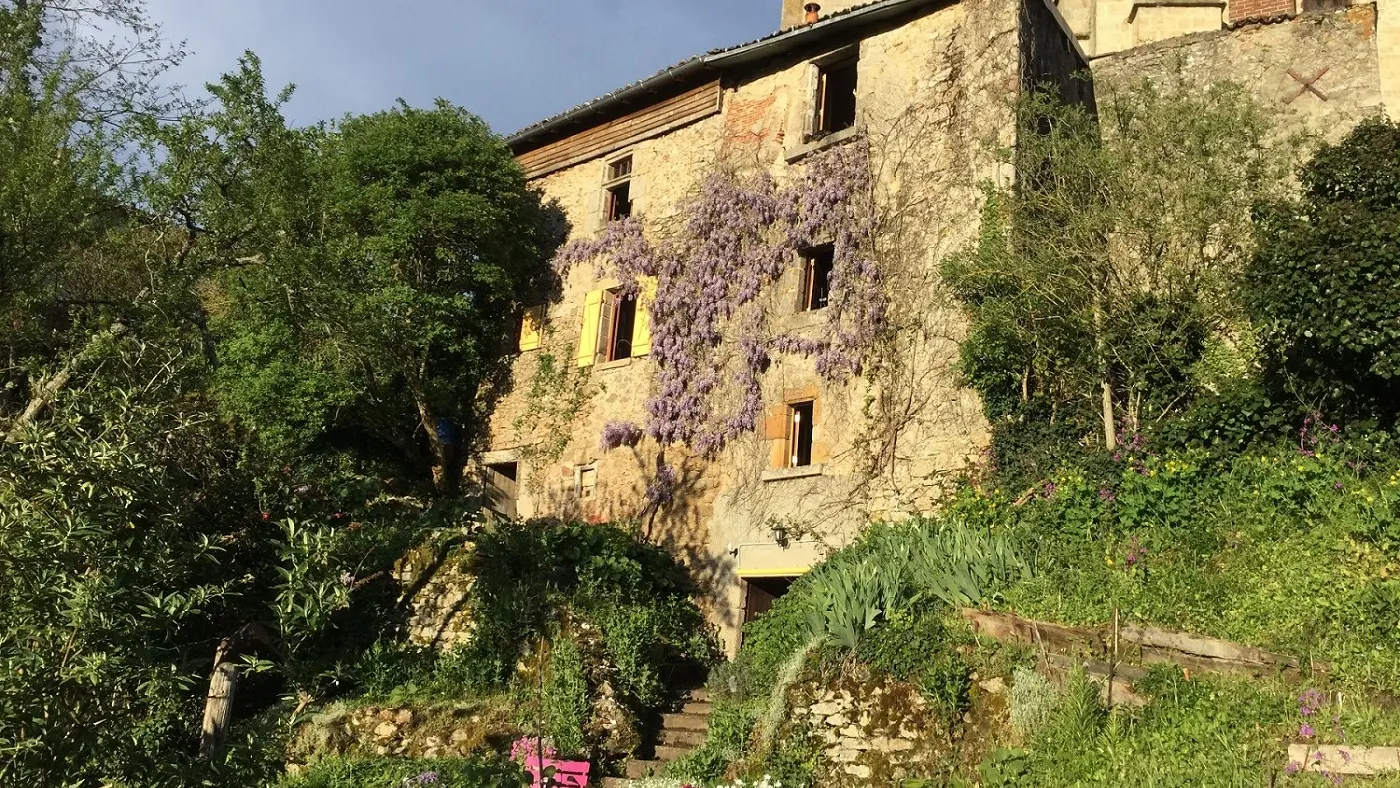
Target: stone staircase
(681, 732)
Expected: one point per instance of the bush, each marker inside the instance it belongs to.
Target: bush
(1324, 286)
(532, 578)
(399, 773)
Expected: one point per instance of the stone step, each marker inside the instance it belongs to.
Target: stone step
(637, 769)
(685, 722)
(701, 708)
(615, 782)
(676, 737)
(666, 754)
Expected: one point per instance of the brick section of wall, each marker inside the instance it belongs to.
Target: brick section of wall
(1245, 10)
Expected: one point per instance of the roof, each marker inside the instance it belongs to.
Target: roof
(718, 59)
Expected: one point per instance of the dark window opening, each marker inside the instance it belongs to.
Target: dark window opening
(816, 277)
(615, 331)
(620, 201)
(836, 97)
(761, 593)
(800, 436)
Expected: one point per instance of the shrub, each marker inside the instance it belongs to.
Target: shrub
(1033, 700)
(531, 576)
(565, 698)
(403, 773)
(1324, 286)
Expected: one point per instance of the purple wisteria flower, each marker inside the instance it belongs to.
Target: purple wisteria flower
(620, 433)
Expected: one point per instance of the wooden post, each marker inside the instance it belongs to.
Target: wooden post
(218, 703)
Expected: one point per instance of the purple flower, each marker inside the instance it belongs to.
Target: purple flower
(1346, 755)
(1107, 494)
(662, 488)
(1293, 767)
(427, 778)
(1317, 757)
(620, 433)
(1306, 731)
(1049, 491)
(1337, 485)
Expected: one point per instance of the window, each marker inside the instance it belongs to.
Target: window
(616, 325)
(617, 190)
(501, 485)
(586, 481)
(816, 277)
(836, 97)
(800, 434)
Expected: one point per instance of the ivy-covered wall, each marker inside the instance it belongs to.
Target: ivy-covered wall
(935, 99)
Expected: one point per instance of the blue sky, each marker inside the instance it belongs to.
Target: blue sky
(513, 62)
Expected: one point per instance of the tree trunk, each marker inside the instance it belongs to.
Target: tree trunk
(446, 475)
(1110, 434)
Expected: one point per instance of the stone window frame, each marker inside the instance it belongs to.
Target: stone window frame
(611, 181)
(815, 70)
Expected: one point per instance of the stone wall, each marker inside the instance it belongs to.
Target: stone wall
(1335, 53)
(873, 733)
(440, 731)
(935, 98)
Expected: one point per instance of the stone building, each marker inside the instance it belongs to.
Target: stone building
(928, 89)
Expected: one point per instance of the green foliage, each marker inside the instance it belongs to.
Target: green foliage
(354, 277)
(403, 773)
(1325, 283)
(919, 647)
(1288, 549)
(565, 698)
(893, 566)
(1113, 263)
(1194, 733)
(1003, 768)
(533, 577)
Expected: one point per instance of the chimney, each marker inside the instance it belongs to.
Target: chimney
(813, 12)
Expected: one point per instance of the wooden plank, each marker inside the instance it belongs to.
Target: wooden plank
(1344, 759)
(620, 132)
(603, 139)
(1203, 647)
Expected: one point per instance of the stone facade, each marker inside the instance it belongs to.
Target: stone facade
(935, 98)
(1318, 72)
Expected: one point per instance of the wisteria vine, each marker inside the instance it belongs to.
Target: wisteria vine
(738, 239)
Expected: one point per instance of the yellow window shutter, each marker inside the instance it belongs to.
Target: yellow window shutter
(530, 327)
(641, 330)
(588, 340)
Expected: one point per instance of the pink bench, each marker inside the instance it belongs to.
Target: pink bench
(567, 774)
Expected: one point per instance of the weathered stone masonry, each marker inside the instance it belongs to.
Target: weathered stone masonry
(936, 92)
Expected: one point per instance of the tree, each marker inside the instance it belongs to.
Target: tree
(1102, 277)
(1324, 286)
(372, 325)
